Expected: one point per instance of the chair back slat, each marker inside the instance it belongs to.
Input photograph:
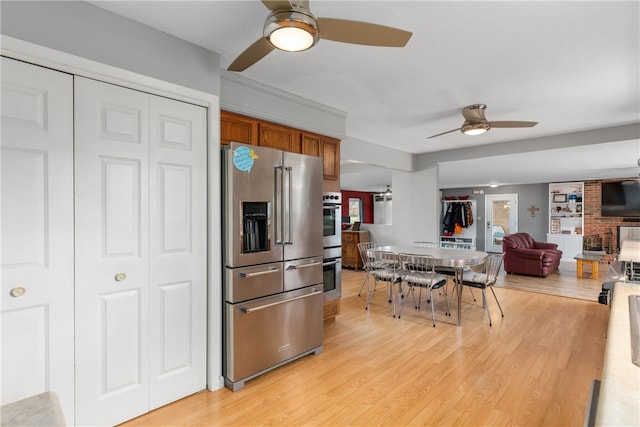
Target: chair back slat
(492, 268)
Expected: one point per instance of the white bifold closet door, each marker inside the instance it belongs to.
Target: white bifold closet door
(140, 182)
(37, 234)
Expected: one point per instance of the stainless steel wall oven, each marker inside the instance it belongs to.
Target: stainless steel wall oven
(332, 273)
(331, 219)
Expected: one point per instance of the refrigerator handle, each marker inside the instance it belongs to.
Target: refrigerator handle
(287, 240)
(277, 206)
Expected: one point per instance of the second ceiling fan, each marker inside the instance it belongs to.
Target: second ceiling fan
(475, 122)
(292, 27)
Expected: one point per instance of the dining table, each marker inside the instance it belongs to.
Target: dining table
(443, 257)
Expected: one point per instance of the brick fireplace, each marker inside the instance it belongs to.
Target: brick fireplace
(594, 223)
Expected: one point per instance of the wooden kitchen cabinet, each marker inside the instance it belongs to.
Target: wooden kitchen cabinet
(350, 254)
(278, 136)
(237, 128)
(310, 144)
(329, 149)
(331, 159)
(248, 130)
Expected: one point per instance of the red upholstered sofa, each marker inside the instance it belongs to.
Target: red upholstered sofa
(523, 255)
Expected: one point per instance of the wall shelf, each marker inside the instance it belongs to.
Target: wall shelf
(566, 219)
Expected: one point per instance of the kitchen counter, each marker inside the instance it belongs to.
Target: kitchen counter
(619, 399)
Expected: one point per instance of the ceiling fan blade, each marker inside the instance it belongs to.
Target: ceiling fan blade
(443, 133)
(251, 55)
(512, 124)
(364, 33)
(277, 5)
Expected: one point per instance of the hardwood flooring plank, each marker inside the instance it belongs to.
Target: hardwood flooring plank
(533, 367)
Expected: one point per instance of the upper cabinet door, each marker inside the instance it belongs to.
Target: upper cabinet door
(279, 137)
(237, 128)
(310, 144)
(331, 158)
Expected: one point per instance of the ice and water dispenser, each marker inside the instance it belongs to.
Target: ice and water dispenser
(255, 227)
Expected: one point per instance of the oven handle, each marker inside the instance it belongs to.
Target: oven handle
(259, 273)
(334, 262)
(298, 267)
(334, 207)
(261, 307)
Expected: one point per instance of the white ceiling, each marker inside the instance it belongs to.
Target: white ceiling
(570, 65)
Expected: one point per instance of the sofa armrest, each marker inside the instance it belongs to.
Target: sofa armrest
(545, 245)
(523, 253)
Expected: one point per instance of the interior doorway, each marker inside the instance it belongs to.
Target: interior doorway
(501, 214)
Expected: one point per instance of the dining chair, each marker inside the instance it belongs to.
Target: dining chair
(419, 271)
(368, 262)
(386, 269)
(449, 271)
(485, 280)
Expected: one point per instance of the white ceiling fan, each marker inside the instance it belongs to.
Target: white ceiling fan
(291, 26)
(475, 122)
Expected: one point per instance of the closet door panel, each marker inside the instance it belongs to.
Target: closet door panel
(178, 250)
(112, 252)
(36, 314)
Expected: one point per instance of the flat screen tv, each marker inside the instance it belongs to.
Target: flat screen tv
(621, 198)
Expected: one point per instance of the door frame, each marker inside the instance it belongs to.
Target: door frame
(488, 216)
(62, 61)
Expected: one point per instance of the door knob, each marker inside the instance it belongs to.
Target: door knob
(120, 277)
(17, 292)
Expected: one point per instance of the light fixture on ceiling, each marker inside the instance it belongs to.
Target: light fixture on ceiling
(493, 185)
(388, 192)
(292, 30)
(478, 128)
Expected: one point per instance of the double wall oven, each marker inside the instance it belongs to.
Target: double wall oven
(332, 243)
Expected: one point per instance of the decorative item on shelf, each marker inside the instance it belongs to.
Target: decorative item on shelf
(532, 209)
(579, 208)
(555, 226)
(559, 198)
(573, 198)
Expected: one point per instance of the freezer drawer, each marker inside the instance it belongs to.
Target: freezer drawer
(302, 273)
(246, 283)
(266, 333)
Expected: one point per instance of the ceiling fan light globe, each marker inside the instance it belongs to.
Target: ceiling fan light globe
(475, 129)
(291, 30)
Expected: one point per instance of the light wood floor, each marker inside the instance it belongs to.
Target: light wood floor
(534, 367)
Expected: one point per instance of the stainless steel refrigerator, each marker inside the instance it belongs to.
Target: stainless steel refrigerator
(272, 249)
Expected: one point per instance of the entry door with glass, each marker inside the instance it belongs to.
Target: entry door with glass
(501, 213)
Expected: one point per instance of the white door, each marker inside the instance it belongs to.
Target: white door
(141, 255)
(37, 233)
(501, 214)
(178, 270)
(112, 252)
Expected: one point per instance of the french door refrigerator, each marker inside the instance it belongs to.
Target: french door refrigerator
(272, 250)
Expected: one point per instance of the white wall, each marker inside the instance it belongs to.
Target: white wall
(416, 209)
(245, 96)
(87, 31)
